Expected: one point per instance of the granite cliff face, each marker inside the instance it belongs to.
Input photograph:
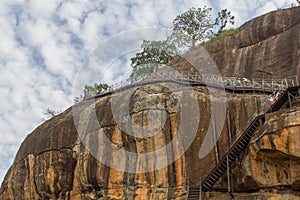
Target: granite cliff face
(56, 161)
(53, 163)
(265, 47)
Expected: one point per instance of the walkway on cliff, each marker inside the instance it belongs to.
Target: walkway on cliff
(230, 84)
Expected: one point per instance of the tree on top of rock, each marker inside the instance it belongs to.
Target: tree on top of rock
(224, 17)
(190, 29)
(154, 54)
(193, 26)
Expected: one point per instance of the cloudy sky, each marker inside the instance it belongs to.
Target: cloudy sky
(45, 43)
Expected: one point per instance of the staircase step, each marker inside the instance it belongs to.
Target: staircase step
(237, 149)
(195, 191)
(253, 129)
(223, 165)
(231, 156)
(230, 159)
(210, 181)
(240, 145)
(248, 135)
(245, 141)
(221, 168)
(216, 176)
(219, 171)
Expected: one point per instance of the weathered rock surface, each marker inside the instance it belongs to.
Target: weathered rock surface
(52, 163)
(267, 46)
(58, 161)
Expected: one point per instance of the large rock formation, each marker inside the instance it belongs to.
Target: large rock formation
(264, 47)
(58, 160)
(267, 46)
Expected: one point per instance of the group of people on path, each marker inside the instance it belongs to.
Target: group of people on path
(103, 91)
(244, 82)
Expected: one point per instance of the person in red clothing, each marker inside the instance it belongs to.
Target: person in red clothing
(271, 100)
(278, 95)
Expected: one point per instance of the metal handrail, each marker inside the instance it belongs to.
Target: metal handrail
(232, 82)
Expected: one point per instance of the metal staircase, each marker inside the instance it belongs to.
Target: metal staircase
(240, 145)
(194, 193)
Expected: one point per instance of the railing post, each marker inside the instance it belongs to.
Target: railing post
(286, 83)
(290, 100)
(228, 175)
(260, 123)
(200, 189)
(215, 141)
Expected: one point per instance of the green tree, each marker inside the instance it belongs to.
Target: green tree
(90, 91)
(298, 1)
(193, 26)
(224, 17)
(154, 54)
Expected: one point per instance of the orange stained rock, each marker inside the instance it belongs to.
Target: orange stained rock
(117, 138)
(266, 142)
(33, 193)
(180, 168)
(254, 169)
(281, 141)
(115, 193)
(294, 140)
(51, 173)
(150, 162)
(253, 151)
(115, 177)
(142, 194)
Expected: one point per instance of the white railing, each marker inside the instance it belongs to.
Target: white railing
(292, 5)
(227, 82)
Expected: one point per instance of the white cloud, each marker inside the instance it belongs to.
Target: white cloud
(43, 43)
(41, 9)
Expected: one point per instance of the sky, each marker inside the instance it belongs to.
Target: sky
(45, 46)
